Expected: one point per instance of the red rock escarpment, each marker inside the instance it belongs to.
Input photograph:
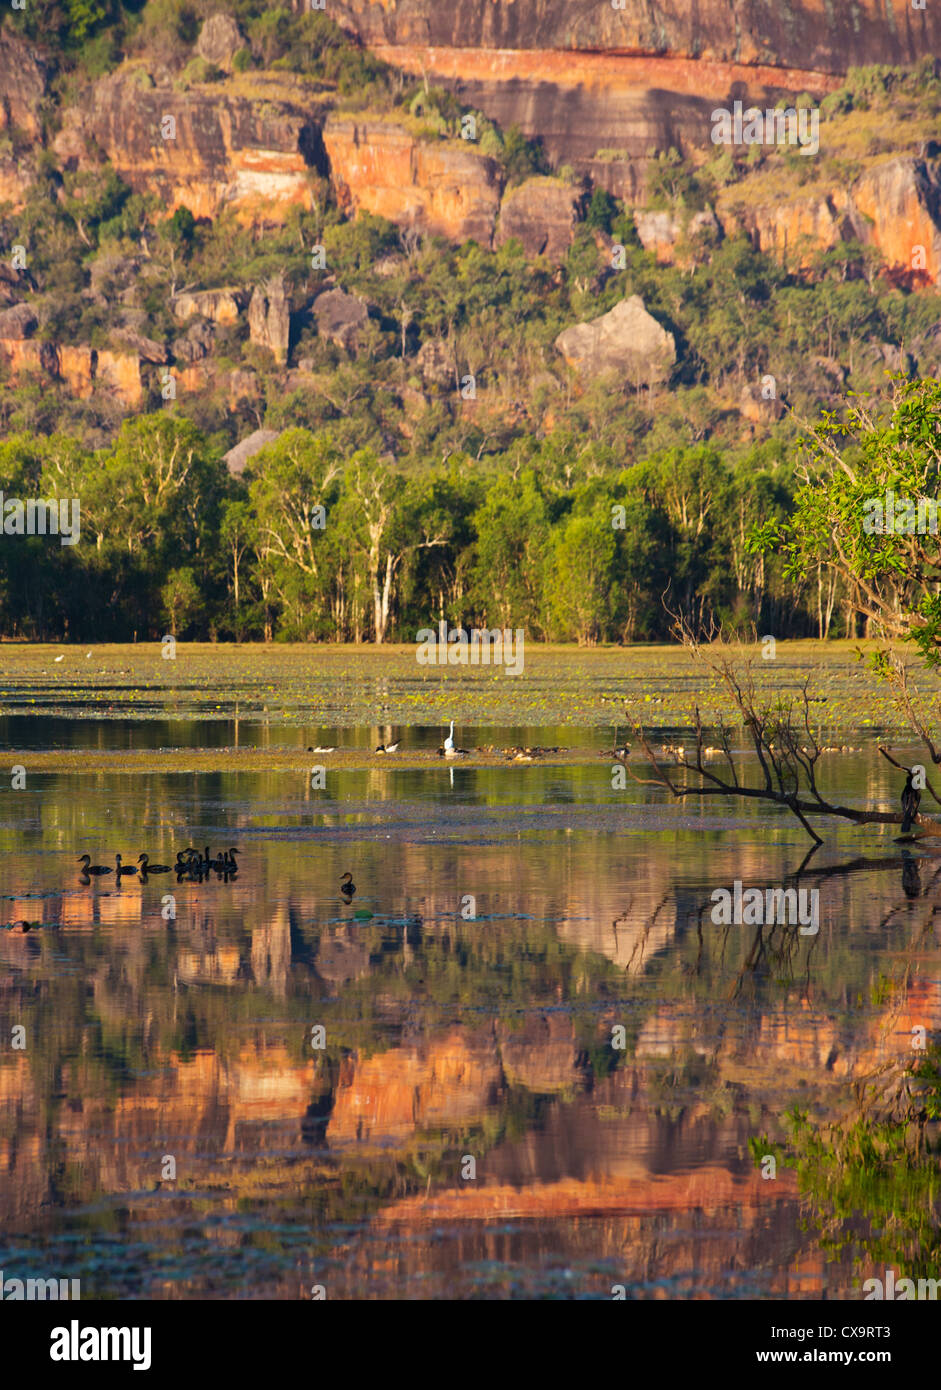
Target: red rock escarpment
(203, 149)
(580, 103)
(22, 85)
(445, 188)
(805, 33)
(82, 369)
(894, 206)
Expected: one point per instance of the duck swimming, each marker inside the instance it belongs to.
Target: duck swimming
(148, 868)
(90, 868)
(347, 886)
(120, 868)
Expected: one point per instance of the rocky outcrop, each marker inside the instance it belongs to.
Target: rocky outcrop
(626, 340)
(269, 318)
(15, 182)
(77, 367)
(247, 448)
(443, 187)
(196, 343)
(900, 207)
(82, 369)
(659, 231)
(219, 40)
(220, 306)
(204, 149)
(388, 1097)
(22, 85)
(541, 214)
(17, 322)
(340, 316)
(119, 373)
(583, 76)
(22, 356)
(894, 206)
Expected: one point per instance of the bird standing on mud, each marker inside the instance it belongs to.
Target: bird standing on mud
(911, 798)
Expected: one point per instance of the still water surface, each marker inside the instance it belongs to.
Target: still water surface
(468, 1129)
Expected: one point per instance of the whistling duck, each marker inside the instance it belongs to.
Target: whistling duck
(90, 868)
(148, 868)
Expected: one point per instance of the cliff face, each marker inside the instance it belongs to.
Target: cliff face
(580, 103)
(585, 76)
(803, 33)
(82, 369)
(205, 148)
(445, 188)
(894, 206)
(22, 84)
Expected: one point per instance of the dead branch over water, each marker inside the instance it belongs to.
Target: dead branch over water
(783, 739)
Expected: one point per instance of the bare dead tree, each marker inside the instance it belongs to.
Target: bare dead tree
(781, 735)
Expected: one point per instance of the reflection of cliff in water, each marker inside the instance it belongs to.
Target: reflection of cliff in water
(490, 1037)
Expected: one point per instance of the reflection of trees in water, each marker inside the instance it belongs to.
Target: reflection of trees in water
(871, 1178)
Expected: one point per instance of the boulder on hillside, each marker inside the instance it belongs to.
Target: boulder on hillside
(195, 343)
(147, 349)
(626, 340)
(269, 318)
(659, 231)
(541, 213)
(219, 40)
(247, 448)
(435, 363)
(221, 306)
(18, 322)
(112, 276)
(340, 316)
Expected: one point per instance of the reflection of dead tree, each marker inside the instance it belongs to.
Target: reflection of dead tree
(783, 741)
(640, 945)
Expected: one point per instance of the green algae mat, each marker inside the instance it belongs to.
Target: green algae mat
(313, 691)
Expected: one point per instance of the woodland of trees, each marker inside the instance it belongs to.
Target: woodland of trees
(317, 543)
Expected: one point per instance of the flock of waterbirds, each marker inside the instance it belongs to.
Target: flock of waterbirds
(448, 749)
(190, 867)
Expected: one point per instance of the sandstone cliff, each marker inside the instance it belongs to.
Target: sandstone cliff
(802, 33)
(448, 188)
(206, 148)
